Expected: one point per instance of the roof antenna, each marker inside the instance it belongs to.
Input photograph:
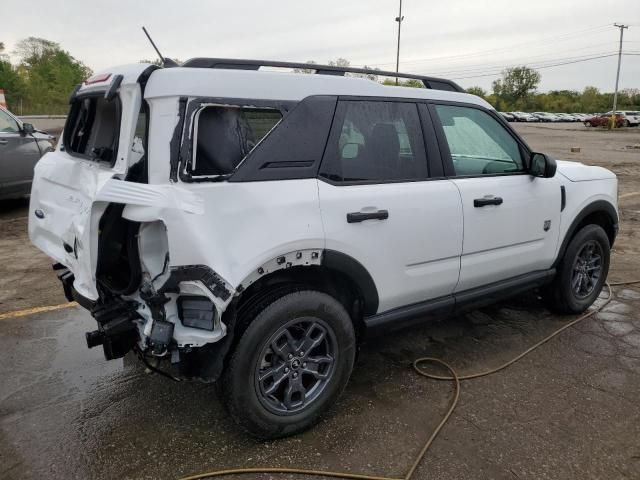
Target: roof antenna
(165, 61)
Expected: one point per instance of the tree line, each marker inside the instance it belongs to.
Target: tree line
(42, 76)
(42, 79)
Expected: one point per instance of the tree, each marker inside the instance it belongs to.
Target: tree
(517, 85)
(479, 91)
(306, 70)
(411, 82)
(50, 74)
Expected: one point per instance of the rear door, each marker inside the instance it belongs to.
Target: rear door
(511, 219)
(68, 193)
(381, 205)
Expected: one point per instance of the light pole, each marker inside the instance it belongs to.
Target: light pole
(615, 95)
(399, 19)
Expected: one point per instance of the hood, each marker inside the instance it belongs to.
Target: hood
(579, 172)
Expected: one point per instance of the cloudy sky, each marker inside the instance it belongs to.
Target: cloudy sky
(467, 40)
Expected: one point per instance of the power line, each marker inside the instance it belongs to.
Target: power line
(552, 39)
(539, 68)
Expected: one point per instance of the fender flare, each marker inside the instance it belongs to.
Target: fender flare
(597, 206)
(357, 273)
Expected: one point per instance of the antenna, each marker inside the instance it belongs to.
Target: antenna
(166, 62)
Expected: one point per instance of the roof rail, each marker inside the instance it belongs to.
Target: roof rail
(238, 64)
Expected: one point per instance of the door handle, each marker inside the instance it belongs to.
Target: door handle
(4, 142)
(355, 217)
(489, 200)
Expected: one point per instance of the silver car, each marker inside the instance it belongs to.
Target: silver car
(21, 146)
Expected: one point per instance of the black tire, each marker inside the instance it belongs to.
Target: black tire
(626, 123)
(574, 289)
(255, 367)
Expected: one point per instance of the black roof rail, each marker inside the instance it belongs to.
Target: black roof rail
(239, 64)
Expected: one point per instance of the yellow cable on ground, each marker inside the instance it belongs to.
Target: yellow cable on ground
(454, 377)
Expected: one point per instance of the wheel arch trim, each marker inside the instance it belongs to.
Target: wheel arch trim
(599, 206)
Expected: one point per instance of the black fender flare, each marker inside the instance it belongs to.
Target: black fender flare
(357, 273)
(597, 206)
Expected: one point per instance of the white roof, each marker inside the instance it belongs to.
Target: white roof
(274, 85)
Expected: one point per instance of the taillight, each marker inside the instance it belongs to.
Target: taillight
(103, 77)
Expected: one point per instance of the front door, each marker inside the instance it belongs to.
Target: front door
(18, 155)
(379, 206)
(511, 219)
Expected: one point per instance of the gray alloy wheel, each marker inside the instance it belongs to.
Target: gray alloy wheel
(295, 365)
(587, 269)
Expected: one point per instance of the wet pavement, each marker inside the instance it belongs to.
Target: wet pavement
(569, 410)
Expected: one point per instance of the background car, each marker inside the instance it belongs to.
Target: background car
(629, 118)
(507, 116)
(21, 146)
(546, 117)
(524, 117)
(603, 120)
(566, 117)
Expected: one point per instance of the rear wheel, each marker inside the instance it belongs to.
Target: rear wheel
(291, 363)
(587, 124)
(581, 272)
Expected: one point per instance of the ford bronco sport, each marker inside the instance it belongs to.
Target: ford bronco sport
(252, 227)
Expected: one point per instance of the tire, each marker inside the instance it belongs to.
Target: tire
(562, 295)
(587, 124)
(302, 384)
(626, 123)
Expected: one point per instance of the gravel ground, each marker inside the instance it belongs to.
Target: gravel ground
(568, 411)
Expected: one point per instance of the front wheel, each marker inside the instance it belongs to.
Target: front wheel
(581, 272)
(291, 363)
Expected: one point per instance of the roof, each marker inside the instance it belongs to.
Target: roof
(265, 84)
(275, 85)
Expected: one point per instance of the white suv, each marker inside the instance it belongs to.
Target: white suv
(253, 226)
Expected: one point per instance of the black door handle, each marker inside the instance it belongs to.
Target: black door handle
(483, 202)
(355, 217)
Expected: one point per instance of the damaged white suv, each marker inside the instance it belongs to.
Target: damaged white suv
(253, 226)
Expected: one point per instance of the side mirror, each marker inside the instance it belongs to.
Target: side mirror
(28, 128)
(542, 166)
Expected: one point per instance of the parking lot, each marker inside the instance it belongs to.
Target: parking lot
(569, 410)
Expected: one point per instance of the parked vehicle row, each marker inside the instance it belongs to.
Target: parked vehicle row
(623, 118)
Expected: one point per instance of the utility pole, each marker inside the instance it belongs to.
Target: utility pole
(399, 19)
(615, 95)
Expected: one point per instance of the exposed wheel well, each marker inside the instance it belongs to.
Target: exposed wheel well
(321, 278)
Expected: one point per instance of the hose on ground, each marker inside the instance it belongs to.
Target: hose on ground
(418, 366)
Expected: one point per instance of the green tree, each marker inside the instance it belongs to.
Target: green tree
(50, 74)
(479, 91)
(411, 82)
(517, 86)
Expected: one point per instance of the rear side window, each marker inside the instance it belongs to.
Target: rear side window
(92, 128)
(225, 135)
(375, 141)
(479, 144)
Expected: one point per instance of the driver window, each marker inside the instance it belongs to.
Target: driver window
(8, 124)
(479, 144)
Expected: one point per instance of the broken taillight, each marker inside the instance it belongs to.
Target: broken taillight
(103, 77)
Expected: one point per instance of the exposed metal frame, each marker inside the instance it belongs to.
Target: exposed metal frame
(239, 64)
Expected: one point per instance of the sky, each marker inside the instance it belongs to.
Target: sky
(465, 40)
